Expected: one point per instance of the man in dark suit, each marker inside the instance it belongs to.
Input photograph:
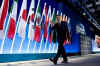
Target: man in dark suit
(62, 34)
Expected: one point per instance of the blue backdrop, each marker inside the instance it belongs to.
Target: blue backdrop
(75, 19)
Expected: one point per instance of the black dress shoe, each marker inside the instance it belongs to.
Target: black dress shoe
(55, 62)
(64, 62)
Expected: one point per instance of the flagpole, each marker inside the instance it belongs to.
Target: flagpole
(54, 44)
(25, 28)
(2, 44)
(11, 49)
(30, 13)
(41, 44)
(5, 22)
(28, 46)
(42, 35)
(57, 48)
(46, 44)
(46, 39)
(22, 39)
(51, 19)
(36, 10)
(47, 29)
(34, 48)
(34, 21)
(20, 48)
(53, 48)
(49, 48)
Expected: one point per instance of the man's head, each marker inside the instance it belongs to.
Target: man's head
(58, 18)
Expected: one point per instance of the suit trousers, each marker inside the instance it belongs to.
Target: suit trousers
(61, 51)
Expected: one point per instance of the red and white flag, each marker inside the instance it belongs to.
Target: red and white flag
(23, 20)
(12, 23)
(44, 22)
(37, 22)
(31, 24)
(4, 12)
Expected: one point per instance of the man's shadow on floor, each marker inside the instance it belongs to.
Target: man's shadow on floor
(69, 64)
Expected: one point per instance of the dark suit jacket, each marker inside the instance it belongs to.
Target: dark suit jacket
(62, 31)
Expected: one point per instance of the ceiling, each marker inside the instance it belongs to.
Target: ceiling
(93, 6)
(88, 9)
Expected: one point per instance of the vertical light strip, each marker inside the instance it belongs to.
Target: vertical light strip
(53, 48)
(28, 46)
(56, 48)
(11, 49)
(42, 35)
(41, 44)
(51, 19)
(2, 44)
(49, 48)
(20, 48)
(34, 48)
(46, 44)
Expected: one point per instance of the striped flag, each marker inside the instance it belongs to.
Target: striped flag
(45, 23)
(31, 28)
(49, 26)
(12, 23)
(23, 20)
(54, 18)
(3, 17)
(37, 24)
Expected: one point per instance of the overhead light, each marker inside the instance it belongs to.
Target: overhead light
(84, 14)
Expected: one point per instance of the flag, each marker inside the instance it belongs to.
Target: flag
(54, 22)
(29, 5)
(50, 35)
(2, 17)
(31, 24)
(64, 18)
(23, 20)
(37, 33)
(1, 31)
(54, 17)
(4, 13)
(1, 2)
(1, 6)
(37, 24)
(45, 23)
(10, 6)
(12, 23)
(20, 2)
(49, 26)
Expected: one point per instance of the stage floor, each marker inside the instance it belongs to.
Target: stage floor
(88, 60)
